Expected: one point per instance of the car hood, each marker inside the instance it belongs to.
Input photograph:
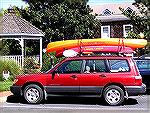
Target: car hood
(30, 75)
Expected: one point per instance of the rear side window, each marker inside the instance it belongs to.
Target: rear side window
(95, 66)
(119, 66)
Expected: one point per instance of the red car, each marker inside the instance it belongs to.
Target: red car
(110, 77)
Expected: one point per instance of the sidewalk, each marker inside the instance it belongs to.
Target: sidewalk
(4, 95)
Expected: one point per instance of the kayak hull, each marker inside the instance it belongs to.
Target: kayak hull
(68, 44)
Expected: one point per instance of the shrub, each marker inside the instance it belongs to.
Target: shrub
(47, 61)
(11, 66)
(31, 66)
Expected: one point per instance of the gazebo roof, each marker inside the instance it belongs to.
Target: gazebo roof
(13, 25)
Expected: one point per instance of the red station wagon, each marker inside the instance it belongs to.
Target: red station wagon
(111, 77)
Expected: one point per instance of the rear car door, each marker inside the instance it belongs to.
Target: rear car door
(93, 75)
(120, 72)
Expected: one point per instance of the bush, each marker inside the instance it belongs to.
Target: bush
(11, 66)
(5, 85)
(31, 66)
(47, 61)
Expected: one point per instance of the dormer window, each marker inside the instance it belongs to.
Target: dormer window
(106, 12)
(129, 10)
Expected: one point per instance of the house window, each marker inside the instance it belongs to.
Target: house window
(106, 12)
(105, 31)
(126, 29)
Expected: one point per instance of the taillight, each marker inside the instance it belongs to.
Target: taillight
(138, 77)
(138, 80)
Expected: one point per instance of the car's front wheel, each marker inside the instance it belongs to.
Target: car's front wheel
(33, 94)
(113, 95)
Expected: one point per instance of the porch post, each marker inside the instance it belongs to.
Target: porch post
(22, 50)
(40, 52)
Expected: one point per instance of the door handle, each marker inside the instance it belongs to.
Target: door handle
(73, 76)
(102, 75)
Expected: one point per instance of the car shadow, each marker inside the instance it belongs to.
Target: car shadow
(70, 100)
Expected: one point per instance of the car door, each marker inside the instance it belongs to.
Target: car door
(92, 82)
(66, 77)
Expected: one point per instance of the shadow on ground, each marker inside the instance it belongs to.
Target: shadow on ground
(70, 100)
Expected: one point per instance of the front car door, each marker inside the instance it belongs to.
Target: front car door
(66, 77)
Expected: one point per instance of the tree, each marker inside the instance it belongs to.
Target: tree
(62, 19)
(141, 21)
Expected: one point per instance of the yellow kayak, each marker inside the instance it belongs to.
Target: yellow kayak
(68, 44)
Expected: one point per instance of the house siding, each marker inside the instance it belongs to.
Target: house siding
(116, 28)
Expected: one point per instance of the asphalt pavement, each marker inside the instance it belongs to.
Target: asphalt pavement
(135, 104)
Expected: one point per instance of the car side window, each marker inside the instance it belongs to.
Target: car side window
(73, 66)
(143, 64)
(94, 66)
(119, 66)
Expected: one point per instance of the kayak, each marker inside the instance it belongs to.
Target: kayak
(68, 44)
(98, 49)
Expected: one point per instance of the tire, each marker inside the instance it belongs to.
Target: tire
(113, 95)
(33, 94)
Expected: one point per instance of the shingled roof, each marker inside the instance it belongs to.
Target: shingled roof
(116, 13)
(11, 24)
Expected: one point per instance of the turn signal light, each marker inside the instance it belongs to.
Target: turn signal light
(15, 81)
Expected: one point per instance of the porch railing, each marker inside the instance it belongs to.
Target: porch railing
(18, 58)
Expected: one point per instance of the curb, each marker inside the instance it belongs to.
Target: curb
(3, 99)
(4, 95)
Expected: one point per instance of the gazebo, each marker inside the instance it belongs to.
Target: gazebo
(15, 27)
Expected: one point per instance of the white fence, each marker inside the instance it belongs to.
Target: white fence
(18, 58)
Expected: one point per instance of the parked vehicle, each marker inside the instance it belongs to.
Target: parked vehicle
(143, 65)
(111, 77)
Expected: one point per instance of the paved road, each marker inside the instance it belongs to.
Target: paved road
(76, 105)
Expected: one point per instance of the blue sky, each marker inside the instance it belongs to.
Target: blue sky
(6, 3)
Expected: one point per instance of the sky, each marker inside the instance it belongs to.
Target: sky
(7, 3)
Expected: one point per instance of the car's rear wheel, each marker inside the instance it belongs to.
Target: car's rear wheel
(113, 95)
(33, 94)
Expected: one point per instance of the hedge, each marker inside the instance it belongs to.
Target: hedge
(11, 66)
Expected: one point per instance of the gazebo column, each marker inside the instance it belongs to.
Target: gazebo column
(22, 51)
(40, 52)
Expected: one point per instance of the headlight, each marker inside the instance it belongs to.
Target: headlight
(16, 80)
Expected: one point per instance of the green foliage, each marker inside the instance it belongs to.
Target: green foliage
(140, 22)
(5, 85)
(49, 60)
(10, 66)
(30, 65)
(62, 19)
(11, 47)
(133, 35)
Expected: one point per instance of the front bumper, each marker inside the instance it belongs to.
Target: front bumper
(16, 90)
(136, 90)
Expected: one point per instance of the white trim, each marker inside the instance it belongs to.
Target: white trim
(36, 38)
(41, 52)
(107, 35)
(124, 32)
(22, 34)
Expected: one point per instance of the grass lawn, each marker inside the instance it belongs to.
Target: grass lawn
(5, 85)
